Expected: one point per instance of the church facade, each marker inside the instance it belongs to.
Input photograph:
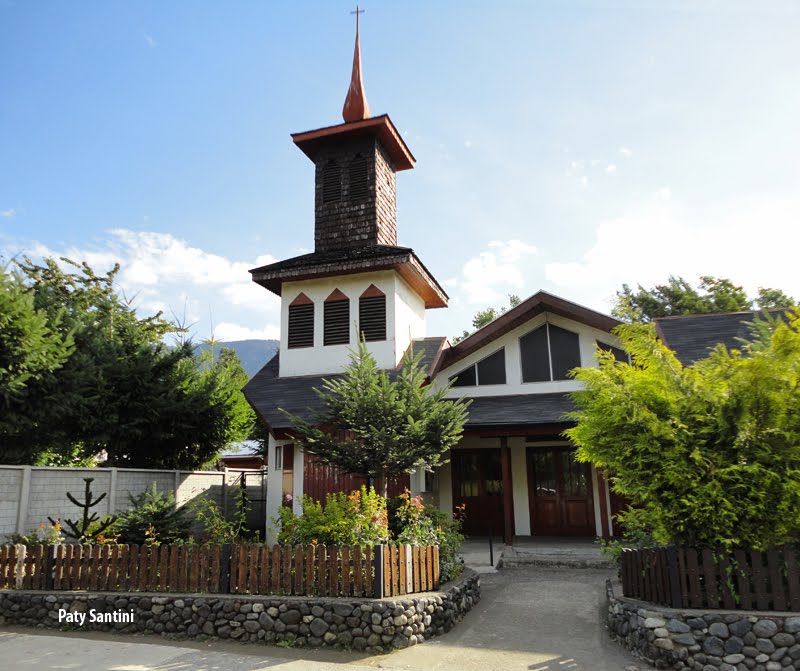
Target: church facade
(513, 471)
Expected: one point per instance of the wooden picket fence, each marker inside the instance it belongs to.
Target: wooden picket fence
(312, 570)
(687, 578)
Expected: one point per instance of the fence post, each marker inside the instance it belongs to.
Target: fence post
(225, 568)
(377, 559)
(19, 568)
(49, 566)
(676, 593)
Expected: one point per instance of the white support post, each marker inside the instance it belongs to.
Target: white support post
(409, 571)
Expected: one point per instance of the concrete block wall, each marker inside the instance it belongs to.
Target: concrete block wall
(31, 494)
(10, 490)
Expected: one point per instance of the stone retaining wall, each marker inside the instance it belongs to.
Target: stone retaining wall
(696, 640)
(363, 624)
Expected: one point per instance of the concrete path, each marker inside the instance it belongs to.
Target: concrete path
(529, 619)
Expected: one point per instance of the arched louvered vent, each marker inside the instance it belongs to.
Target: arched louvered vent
(301, 323)
(337, 319)
(372, 314)
(331, 182)
(359, 182)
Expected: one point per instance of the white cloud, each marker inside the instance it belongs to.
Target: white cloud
(584, 182)
(611, 168)
(164, 273)
(488, 277)
(751, 240)
(150, 40)
(625, 152)
(227, 331)
(8, 214)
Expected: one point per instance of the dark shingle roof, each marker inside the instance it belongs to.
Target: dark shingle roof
(692, 337)
(519, 409)
(268, 393)
(368, 252)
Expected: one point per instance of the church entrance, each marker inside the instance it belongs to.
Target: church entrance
(559, 493)
(478, 485)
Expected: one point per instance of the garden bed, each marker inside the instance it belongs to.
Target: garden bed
(363, 624)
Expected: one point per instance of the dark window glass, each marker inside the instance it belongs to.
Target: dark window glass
(359, 182)
(574, 475)
(372, 318)
(466, 378)
(619, 354)
(301, 326)
(535, 362)
(493, 473)
(331, 183)
(492, 370)
(544, 473)
(564, 350)
(337, 323)
(469, 475)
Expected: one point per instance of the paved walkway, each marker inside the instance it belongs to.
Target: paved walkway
(529, 619)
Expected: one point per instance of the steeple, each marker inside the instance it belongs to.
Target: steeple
(355, 104)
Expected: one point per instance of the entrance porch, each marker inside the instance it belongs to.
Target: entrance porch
(524, 483)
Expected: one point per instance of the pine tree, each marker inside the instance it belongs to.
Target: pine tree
(380, 427)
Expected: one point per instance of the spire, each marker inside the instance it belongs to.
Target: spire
(355, 104)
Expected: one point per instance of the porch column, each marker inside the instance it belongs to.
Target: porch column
(508, 493)
(603, 500)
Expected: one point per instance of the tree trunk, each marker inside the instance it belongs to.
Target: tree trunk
(384, 483)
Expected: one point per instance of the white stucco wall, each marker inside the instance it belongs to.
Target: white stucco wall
(405, 319)
(587, 336)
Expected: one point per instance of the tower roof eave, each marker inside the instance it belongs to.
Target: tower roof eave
(381, 127)
(403, 260)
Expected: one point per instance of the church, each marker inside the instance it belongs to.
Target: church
(513, 471)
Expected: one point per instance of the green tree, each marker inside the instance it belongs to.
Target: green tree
(380, 427)
(31, 347)
(122, 390)
(709, 455)
(679, 297)
(488, 315)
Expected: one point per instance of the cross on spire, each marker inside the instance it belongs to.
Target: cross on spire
(355, 104)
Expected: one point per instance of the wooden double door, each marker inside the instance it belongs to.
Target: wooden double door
(478, 486)
(559, 493)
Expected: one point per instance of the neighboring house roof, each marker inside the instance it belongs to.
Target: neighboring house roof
(692, 337)
(355, 260)
(540, 302)
(519, 410)
(268, 393)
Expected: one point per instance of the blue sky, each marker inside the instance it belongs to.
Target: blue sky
(569, 146)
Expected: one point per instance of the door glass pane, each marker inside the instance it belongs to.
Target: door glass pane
(574, 475)
(469, 475)
(494, 473)
(544, 473)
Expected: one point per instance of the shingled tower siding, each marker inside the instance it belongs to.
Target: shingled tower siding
(350, 221)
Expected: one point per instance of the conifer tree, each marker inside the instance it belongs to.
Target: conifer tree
(380, 427)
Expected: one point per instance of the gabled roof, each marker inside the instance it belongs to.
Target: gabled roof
(268, 393)
(692, 337)
(355, 260)
(540, 302)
